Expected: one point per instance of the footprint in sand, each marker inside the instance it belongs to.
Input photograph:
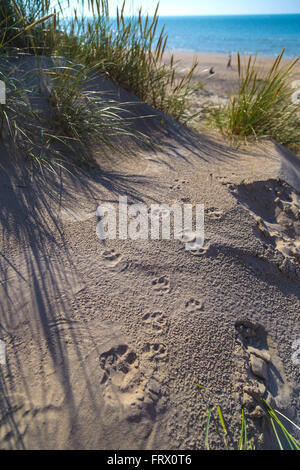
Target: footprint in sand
(254, 338)
(114, 260)
(155, 351)
(265, 376)
(154, 322)
(186, 200)
(222, 179)
(118, 361)
(178, 184)
(194, 243)
(126, 387)
(276, 208)
(213, 213)
(197, 249)
(161, 285)
(194, 306)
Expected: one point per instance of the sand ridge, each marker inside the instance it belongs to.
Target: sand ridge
(107, 341)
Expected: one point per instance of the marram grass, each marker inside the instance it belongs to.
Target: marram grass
(281, 435)
(76, 120)
(262, 106)
(82, 115)
(288, 443)
(128, 50)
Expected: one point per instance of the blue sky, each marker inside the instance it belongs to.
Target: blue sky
(212, 7)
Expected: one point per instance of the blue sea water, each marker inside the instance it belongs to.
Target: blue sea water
(265, 35)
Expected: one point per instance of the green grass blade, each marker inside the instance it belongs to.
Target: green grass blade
(223, 426)
(275, 432)
(207, 429)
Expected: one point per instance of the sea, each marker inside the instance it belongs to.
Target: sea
(264, 35)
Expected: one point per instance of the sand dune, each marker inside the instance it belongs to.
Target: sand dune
(107, 341)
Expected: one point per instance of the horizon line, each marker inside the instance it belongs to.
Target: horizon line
(228, 14)
(164, 15)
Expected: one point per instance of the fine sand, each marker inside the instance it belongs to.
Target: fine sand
(224, 80)
(215, 88)
(107, 341)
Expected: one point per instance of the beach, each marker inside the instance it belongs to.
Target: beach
(225, 79)
(149, 266)
(108, 340)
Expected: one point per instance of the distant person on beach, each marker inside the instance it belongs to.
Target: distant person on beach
(229, 62)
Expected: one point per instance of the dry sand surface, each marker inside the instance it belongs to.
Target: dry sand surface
(224, 80)
(107, 341)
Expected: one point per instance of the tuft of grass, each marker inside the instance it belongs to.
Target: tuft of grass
(19, 123)
(79, 118)
(244, 442)
(27, 26)
(128, 50)
(275, 421)
(62, 133)
(81, 115)
(262, 106)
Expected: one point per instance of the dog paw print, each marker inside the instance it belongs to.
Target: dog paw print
(117, 363)
(155, 351)
(114, 260)
(178, 184)
(161, 285)
(197, 250)
(154, 321)
(194, 306)
(213, 213)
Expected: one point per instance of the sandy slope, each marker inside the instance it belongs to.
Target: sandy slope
(107, 341)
